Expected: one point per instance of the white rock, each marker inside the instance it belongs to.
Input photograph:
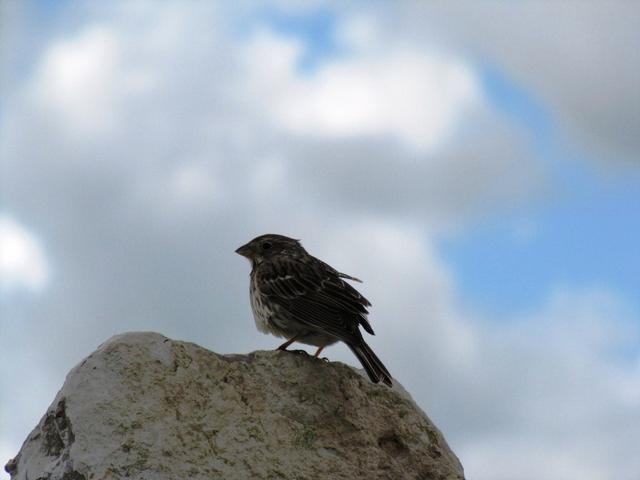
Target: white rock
(147, 407)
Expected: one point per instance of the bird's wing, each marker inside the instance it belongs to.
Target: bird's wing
(314, 294)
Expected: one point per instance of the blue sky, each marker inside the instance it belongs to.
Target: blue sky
(573, 243)
(316, 28)
(471, 172)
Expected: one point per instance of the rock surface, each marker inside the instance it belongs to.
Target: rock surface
(144, 406)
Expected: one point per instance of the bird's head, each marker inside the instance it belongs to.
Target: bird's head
(269, 245)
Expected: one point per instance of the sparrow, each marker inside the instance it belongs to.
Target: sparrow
(296, 296)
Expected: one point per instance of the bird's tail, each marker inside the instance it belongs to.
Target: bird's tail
(371, 363)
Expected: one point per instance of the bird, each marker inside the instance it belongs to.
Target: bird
(296, 296)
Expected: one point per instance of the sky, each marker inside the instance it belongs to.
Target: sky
(477, 164)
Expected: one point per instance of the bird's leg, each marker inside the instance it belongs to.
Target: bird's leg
(317, 355)
(287, 343)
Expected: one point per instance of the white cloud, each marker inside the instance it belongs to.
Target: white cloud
(22, 261)
(565, 371)
(574, 56)
(412, 94)
(230, 105)
(78, 80)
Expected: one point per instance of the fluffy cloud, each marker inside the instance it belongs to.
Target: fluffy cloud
(396, 110)
(414, 95)
(563, 384)
(576, 57)
(22, 261)
(77, 81)
(228, 111)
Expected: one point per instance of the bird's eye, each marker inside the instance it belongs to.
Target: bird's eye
(266, 245)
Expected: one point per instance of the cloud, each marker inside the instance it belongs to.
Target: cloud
(401, 110)
(551, 371)
(23, 264)
(78, 81)
(414, 95)
(574, 57)
(229, 109)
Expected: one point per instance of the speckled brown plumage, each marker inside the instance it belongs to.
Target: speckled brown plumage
(299, 297)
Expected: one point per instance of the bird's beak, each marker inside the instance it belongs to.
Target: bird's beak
(244, 250)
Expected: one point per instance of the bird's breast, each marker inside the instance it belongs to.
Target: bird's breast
(263, 312)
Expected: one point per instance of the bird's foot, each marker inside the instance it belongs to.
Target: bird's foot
(297, 352)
